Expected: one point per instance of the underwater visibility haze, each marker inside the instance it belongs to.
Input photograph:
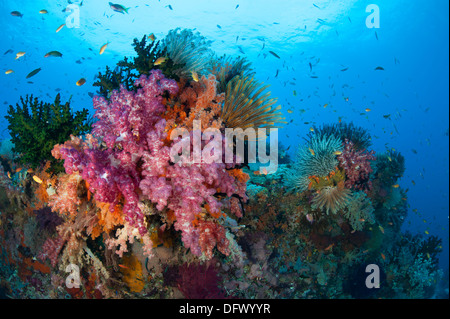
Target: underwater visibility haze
(119, 177)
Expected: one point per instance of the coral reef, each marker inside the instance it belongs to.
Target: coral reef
(132, 218)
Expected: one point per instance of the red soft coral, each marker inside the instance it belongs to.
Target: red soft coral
(357, 166)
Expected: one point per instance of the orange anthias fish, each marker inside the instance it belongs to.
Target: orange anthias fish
(103, 48)
(383, 256)
(37, 179)
(122, 266)
(312, 151)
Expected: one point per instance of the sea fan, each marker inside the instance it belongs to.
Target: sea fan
(246, 106)
(331, 198)
(315, 158)
(187, 49)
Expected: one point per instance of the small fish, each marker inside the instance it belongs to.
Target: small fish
(381, 228)
(427, 232)
(236, 7)
(310, 218)
(316, 6)
(413, 182)
(337, 153)
(387, 116)
(383, 256)
(274, 54)
(160, 60)
(8, 51)
(20, 54)
(290, 111)
(194, 75)
(60, 27)
(169, 6)
(311, 151)
(151, 37)
(344, 69)
(122, 266)
(329, 247)
(9, 175)
(368, 110)
(118, 8)
(379, 68)
(103, 48)
(54, 54)
(314, 76)
(43, 11)
(9, 71)
(325, 105)
(33, 73)
(37, 179)
(396, 186)
(376, 35)
(16, 14)
(81, 81)
(311, 129)
(219, 26)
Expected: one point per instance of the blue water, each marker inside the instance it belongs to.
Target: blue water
(411, 45)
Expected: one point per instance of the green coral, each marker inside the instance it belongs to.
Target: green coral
(129, 70)
(359, 211)
(35, 127)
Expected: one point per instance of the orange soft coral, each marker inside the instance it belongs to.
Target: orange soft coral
(107, 219)
(203, 102)
(239, 175)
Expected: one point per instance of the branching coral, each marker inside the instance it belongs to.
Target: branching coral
(245, 107)
(35, 127)
(315, 158)
(331, 198)
(128, 70)
(356, 164)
